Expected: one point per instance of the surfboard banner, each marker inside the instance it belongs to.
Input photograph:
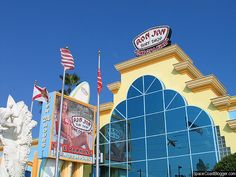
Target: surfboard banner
(77, 129)
(81, 92)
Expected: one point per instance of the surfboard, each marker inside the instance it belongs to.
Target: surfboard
(81, 92)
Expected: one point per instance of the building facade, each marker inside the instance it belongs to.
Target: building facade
(166, 119)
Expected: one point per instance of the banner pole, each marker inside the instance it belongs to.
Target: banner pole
(98, 126)
(32, 102)
(59, 127)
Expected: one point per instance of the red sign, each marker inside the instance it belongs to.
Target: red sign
(152, 39)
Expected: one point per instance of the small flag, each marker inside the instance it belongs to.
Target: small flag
(67, 59)
(40, 94)
(99, 81)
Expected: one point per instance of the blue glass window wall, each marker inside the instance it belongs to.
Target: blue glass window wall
(155, 133)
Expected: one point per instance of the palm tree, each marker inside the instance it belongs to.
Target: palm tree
(71, 81)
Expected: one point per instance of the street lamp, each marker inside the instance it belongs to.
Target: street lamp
(179, 167)
(140, 172)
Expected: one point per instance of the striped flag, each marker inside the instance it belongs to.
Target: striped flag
(99, 81)
(67, 59)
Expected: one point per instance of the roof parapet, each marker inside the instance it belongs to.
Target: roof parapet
(173, 50)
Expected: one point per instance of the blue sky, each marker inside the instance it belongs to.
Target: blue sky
(31, 34)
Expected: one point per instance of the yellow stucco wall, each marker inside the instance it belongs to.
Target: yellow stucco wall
(174, 80)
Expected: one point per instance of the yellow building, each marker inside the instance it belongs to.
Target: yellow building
(165, 119)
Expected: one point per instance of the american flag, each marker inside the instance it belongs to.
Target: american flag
(99, 81)
(67, 59)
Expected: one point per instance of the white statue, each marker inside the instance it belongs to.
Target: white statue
(15, 136)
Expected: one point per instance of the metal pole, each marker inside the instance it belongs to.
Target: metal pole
(59, 127)
(140, 172)
(98, 126)
(179, 167)
(32, 102)
(31, 107)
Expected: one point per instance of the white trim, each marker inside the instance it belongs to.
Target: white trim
(167, 153)
(145, 130)
(171, 101)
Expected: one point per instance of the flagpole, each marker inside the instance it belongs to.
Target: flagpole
(98, 124)
(59, 127)
(32, 102)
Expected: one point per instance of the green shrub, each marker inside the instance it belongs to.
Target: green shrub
(228, 163)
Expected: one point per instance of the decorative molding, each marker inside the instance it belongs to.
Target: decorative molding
(221, 102)
(106, 108)
(187, 67)
(205, 83)
(157, 56)
(232, 124)
(114, 87)
(232, 103)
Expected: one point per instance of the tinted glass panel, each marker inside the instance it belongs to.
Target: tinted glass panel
(120, 111)
(105, 150)
(137, 169)
(148, 80)
(133, 92)
(203, 119)
(157, 168)
(138, 83)
(180, 166)
(169, 96)
(202, 140)
(178, 143)
(136, 149)
(193, 113)
(104, 171)
(117, 131)
(117, 116)
(154, 102)
(155, 124)
(135, 107)
(103, 139)
(136, 128)
(176, 120)
(156, 147)
(118, 152)
(177, 101)
(155, 86)
(204, 162)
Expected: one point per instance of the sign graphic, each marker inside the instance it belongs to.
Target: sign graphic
(152, 39)
(77, 130)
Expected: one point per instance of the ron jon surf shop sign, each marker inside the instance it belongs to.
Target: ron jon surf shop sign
(152, 39)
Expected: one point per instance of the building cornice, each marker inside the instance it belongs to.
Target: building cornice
(106, 108)
(232, 124)
(221, 102)
(187, 67)
(157, 56)
(114, 87)
(205, 83)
